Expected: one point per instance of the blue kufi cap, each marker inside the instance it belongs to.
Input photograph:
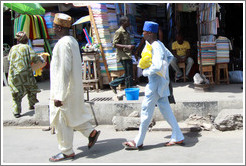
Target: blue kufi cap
(150, 26)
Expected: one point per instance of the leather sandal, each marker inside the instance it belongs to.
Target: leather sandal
(93, 140)
(61, 157)
(174, 143)
(131, 145)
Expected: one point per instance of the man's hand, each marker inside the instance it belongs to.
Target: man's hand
(57, 103)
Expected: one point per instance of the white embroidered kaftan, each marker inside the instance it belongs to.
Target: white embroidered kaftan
(66, 83)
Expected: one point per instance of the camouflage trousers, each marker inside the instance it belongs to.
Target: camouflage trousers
(17, 98)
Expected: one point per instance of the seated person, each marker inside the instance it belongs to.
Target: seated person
(181, 52)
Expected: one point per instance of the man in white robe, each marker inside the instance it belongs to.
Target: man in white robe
(67, 107)
(156, 91)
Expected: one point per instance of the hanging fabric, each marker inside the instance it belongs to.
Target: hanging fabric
(34, 26)
(30, 27)
(26, 27)
(44, 27)
(38, 34)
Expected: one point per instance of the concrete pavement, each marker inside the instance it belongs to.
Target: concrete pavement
(32, 146)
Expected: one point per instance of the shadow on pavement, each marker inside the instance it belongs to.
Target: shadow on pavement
(44, 85)
(101, 148)
(149, 147)
(29, 113)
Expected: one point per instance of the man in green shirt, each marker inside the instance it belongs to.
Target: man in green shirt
(122, 43)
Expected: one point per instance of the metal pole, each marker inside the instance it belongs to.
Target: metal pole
(124, 9)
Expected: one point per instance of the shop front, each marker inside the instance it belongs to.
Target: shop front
(220, 27)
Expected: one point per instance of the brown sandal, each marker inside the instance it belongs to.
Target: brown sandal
(174, 143)
(93, 140)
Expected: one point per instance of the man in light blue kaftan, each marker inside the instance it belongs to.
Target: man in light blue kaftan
(157, 90)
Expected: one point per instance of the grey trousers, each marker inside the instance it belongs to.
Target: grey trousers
(189, 62)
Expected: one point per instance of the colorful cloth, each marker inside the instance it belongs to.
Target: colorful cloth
(20, 73)
(33, 25)
(21, 80)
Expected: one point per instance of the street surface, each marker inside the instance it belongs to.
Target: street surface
(31, 145)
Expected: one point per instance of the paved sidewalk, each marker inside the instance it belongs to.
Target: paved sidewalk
(26, 145)
(29, 144)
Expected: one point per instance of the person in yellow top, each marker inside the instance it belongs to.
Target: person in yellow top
(181, 52)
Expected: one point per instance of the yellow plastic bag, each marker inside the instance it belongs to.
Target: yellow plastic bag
(146, 60)
(38, 72)
(38, 67)
(146, 57)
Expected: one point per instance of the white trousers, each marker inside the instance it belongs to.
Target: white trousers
(65, 133)
(148, 106)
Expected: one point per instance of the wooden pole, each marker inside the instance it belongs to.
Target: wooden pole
(99, 42)
(199, 38)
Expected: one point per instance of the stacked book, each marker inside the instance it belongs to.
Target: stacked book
(99, 11)
(208, 53)
(223, 46)
(38, 45)
(106, 22)
(112, 19)
(49, 18)
(113, 65)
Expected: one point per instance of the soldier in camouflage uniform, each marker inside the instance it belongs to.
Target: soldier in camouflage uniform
(21, 79)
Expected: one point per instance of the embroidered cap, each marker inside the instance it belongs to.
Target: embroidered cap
(150, 26)
(63, 20)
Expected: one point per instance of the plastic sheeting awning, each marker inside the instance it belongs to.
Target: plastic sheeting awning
(26, 8)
